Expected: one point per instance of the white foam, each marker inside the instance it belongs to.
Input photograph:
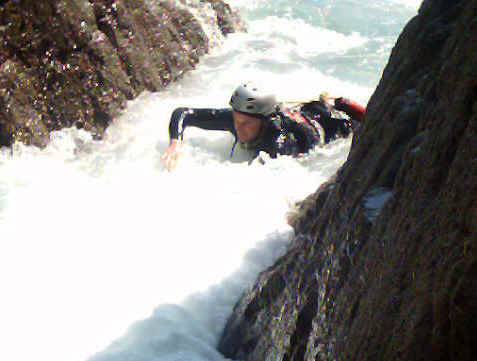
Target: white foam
(97, 234)
(413, 4)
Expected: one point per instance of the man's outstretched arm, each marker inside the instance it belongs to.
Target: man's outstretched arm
(351, 108)
(210, 119)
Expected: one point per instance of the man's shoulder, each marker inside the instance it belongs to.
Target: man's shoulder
(224, 110)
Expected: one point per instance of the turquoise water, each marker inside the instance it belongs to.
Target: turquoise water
(377, 22)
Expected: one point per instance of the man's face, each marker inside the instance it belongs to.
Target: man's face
(247, 126)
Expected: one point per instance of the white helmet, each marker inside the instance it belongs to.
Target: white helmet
(248, 98)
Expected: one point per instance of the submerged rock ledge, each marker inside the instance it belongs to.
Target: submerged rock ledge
(76, 62)
(384, 264)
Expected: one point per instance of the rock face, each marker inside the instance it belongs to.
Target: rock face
(384, 264)
(76, 62)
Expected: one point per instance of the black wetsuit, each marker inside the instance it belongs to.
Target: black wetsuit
(279, 134)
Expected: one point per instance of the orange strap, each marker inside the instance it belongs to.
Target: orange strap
(296, 116)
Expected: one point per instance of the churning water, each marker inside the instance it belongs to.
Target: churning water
(104, 255)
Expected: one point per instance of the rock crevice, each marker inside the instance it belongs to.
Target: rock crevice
(384, 263)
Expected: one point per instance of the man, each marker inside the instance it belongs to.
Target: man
(260, 124)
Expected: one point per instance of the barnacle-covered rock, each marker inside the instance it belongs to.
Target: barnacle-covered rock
(85, 58)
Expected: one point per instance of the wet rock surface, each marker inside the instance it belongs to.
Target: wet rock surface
(76, 62)
(384, 264)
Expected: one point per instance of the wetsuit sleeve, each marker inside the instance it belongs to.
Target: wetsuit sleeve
(354, 110)
(210, 119)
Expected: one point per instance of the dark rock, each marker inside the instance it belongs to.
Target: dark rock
(80, 60)
(384, 263)
(228, 20)
(21, 115)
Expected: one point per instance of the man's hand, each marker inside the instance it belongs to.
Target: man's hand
(171, 155)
